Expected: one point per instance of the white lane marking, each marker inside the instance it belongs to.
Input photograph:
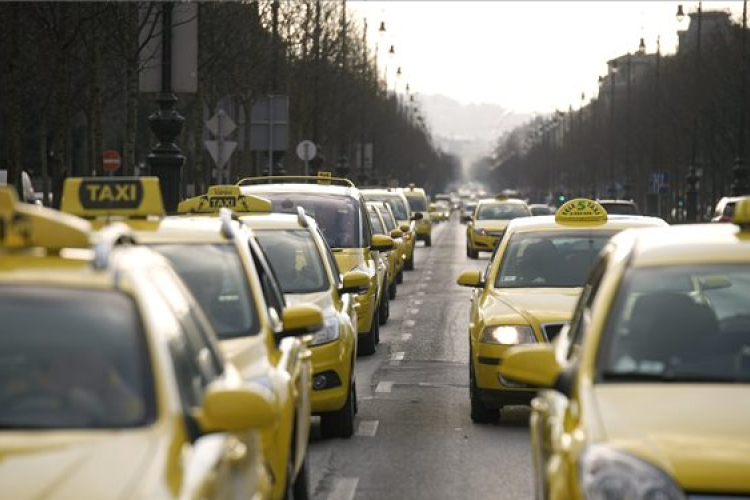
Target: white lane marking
(421, 292)
(344, 489)
(418, 302)
(414, 310)
(398, 356)
(406, 337)
(408, 323)
(421, 285)
(427, 278)
(384, 386)
(368, 428)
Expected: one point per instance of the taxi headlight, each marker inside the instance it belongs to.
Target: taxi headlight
(508, 335)
(605, 473)
(480, 232)
(328, 333)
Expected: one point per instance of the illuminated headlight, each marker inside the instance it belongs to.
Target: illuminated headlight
(508, 335)
(328, 333)
(607, 473)
(480, 232)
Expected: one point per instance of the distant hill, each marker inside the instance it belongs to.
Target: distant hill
(468, 130)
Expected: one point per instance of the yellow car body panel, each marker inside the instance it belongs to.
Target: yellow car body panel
(394, 195)
(337, 356)
(696, 433)
(424, 225)
(367, 261)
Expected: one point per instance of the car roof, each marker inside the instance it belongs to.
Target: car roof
(180, 229)
(495, 201)
(549, 223)
(273, 220)
(616, 202)
(324, 189)
(687, 244)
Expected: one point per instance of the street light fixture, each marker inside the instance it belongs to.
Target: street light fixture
(680, 13)
(642, 47)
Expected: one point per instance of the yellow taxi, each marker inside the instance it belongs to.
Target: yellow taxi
(405, 219)
(307, 272)
(527, 293)
(400, 250)
(391, 258)
(339, 210)
(222, 264)
(648, 392)
(112, 384)
(419, 204)
(487, 224)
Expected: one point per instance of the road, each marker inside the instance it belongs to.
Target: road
(415, 439)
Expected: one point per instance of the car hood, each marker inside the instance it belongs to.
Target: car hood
(491, 225)
(698, 433)
(64, 465)
(535, 306)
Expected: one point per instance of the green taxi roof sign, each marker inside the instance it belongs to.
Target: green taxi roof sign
(93, 197)
(218, 197)
(580, 210)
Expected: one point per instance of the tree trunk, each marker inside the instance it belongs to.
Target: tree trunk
(14, 101)
(131, 88)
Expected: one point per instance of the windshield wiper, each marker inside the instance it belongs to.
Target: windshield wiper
(670, 377)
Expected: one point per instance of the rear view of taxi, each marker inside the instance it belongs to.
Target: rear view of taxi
(340, 212)
(529, 290)
(406, 220)
(111, 387)
(420, 204)
(382, 224)
(488, 222)
(308, 273)
(649, 389)
(221, 263)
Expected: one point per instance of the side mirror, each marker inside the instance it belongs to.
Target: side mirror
(534, 365)
(354, 282)
(301, 320)
(381, 243)
(417, 216)
(469, 221)
(472, 279)
(232, 409)
(396, 233)
(405, 228)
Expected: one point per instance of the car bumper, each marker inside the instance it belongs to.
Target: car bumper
(483, 243)
(332, 365)
(493, 390)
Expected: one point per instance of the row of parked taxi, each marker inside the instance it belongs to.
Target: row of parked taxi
(146, 355)
(629, 339)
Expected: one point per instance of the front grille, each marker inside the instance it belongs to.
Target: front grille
(552, 330)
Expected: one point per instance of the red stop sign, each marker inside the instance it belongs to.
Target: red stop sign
(111, 160)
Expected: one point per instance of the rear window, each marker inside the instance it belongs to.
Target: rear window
(216, 277)
(620, 208)
(377, 226)
(72, 359)
(417, 203)
(394, 201)
(501, 211)
(296, 260)
(337, 216)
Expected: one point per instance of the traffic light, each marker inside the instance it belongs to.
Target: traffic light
(560, 198)
(680, 201)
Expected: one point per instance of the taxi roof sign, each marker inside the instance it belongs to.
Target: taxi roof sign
(93, 197)
(581, 210)
(741, 215)
(31, 226)
(218, 197)
(502, 197)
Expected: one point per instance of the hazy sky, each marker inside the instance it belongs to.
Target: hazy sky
(525, 56)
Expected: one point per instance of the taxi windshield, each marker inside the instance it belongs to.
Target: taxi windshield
(416, 203)
(283, 248)
(560, 259)
(377, 226)
(215, 276)
(502, 211)
(396, 203)
(680, 324)
(72, 359)
(337, 216)
(390, 223)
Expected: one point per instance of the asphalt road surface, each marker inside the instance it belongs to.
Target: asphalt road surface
(414, 438)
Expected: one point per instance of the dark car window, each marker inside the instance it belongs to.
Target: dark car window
(72, 359)
(417, 203)
(295, 260)
(377, 225)
(216, 277)
(620, 208)
(501, 211)
(394, 201)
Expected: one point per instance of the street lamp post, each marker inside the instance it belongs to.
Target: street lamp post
(613, 74)
(739, 186)
(166, 159)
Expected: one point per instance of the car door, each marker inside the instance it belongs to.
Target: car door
(220, 466)
(551, 408)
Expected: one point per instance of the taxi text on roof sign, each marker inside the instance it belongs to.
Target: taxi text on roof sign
(219, 197)
(581, 210)
(108, 196)
(30, 226)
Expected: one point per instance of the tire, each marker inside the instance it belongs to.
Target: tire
(289, 490)
(393, 289)
(473, 254)
(400, 277)
(428, 241)
(367, 343)
(384, 310)
(340, 423)
(480, 413)
(409, 263)
(301, 487)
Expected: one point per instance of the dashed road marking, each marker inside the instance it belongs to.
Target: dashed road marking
(344, 489)
(420, 292)
(408, 323)
(405, 337)
(418, 302)
(368, 428)
(414, 310)
(398, 356)
(427, 278)
(384, 386)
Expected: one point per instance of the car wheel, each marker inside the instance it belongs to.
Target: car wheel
(400, 277)
(301, 490)
(409, 263)
(393, 289)
(340, 423)
(367, 342)
(384, 311)
(428, 241)
(473, 254)
(289, 490)
(480, 413)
